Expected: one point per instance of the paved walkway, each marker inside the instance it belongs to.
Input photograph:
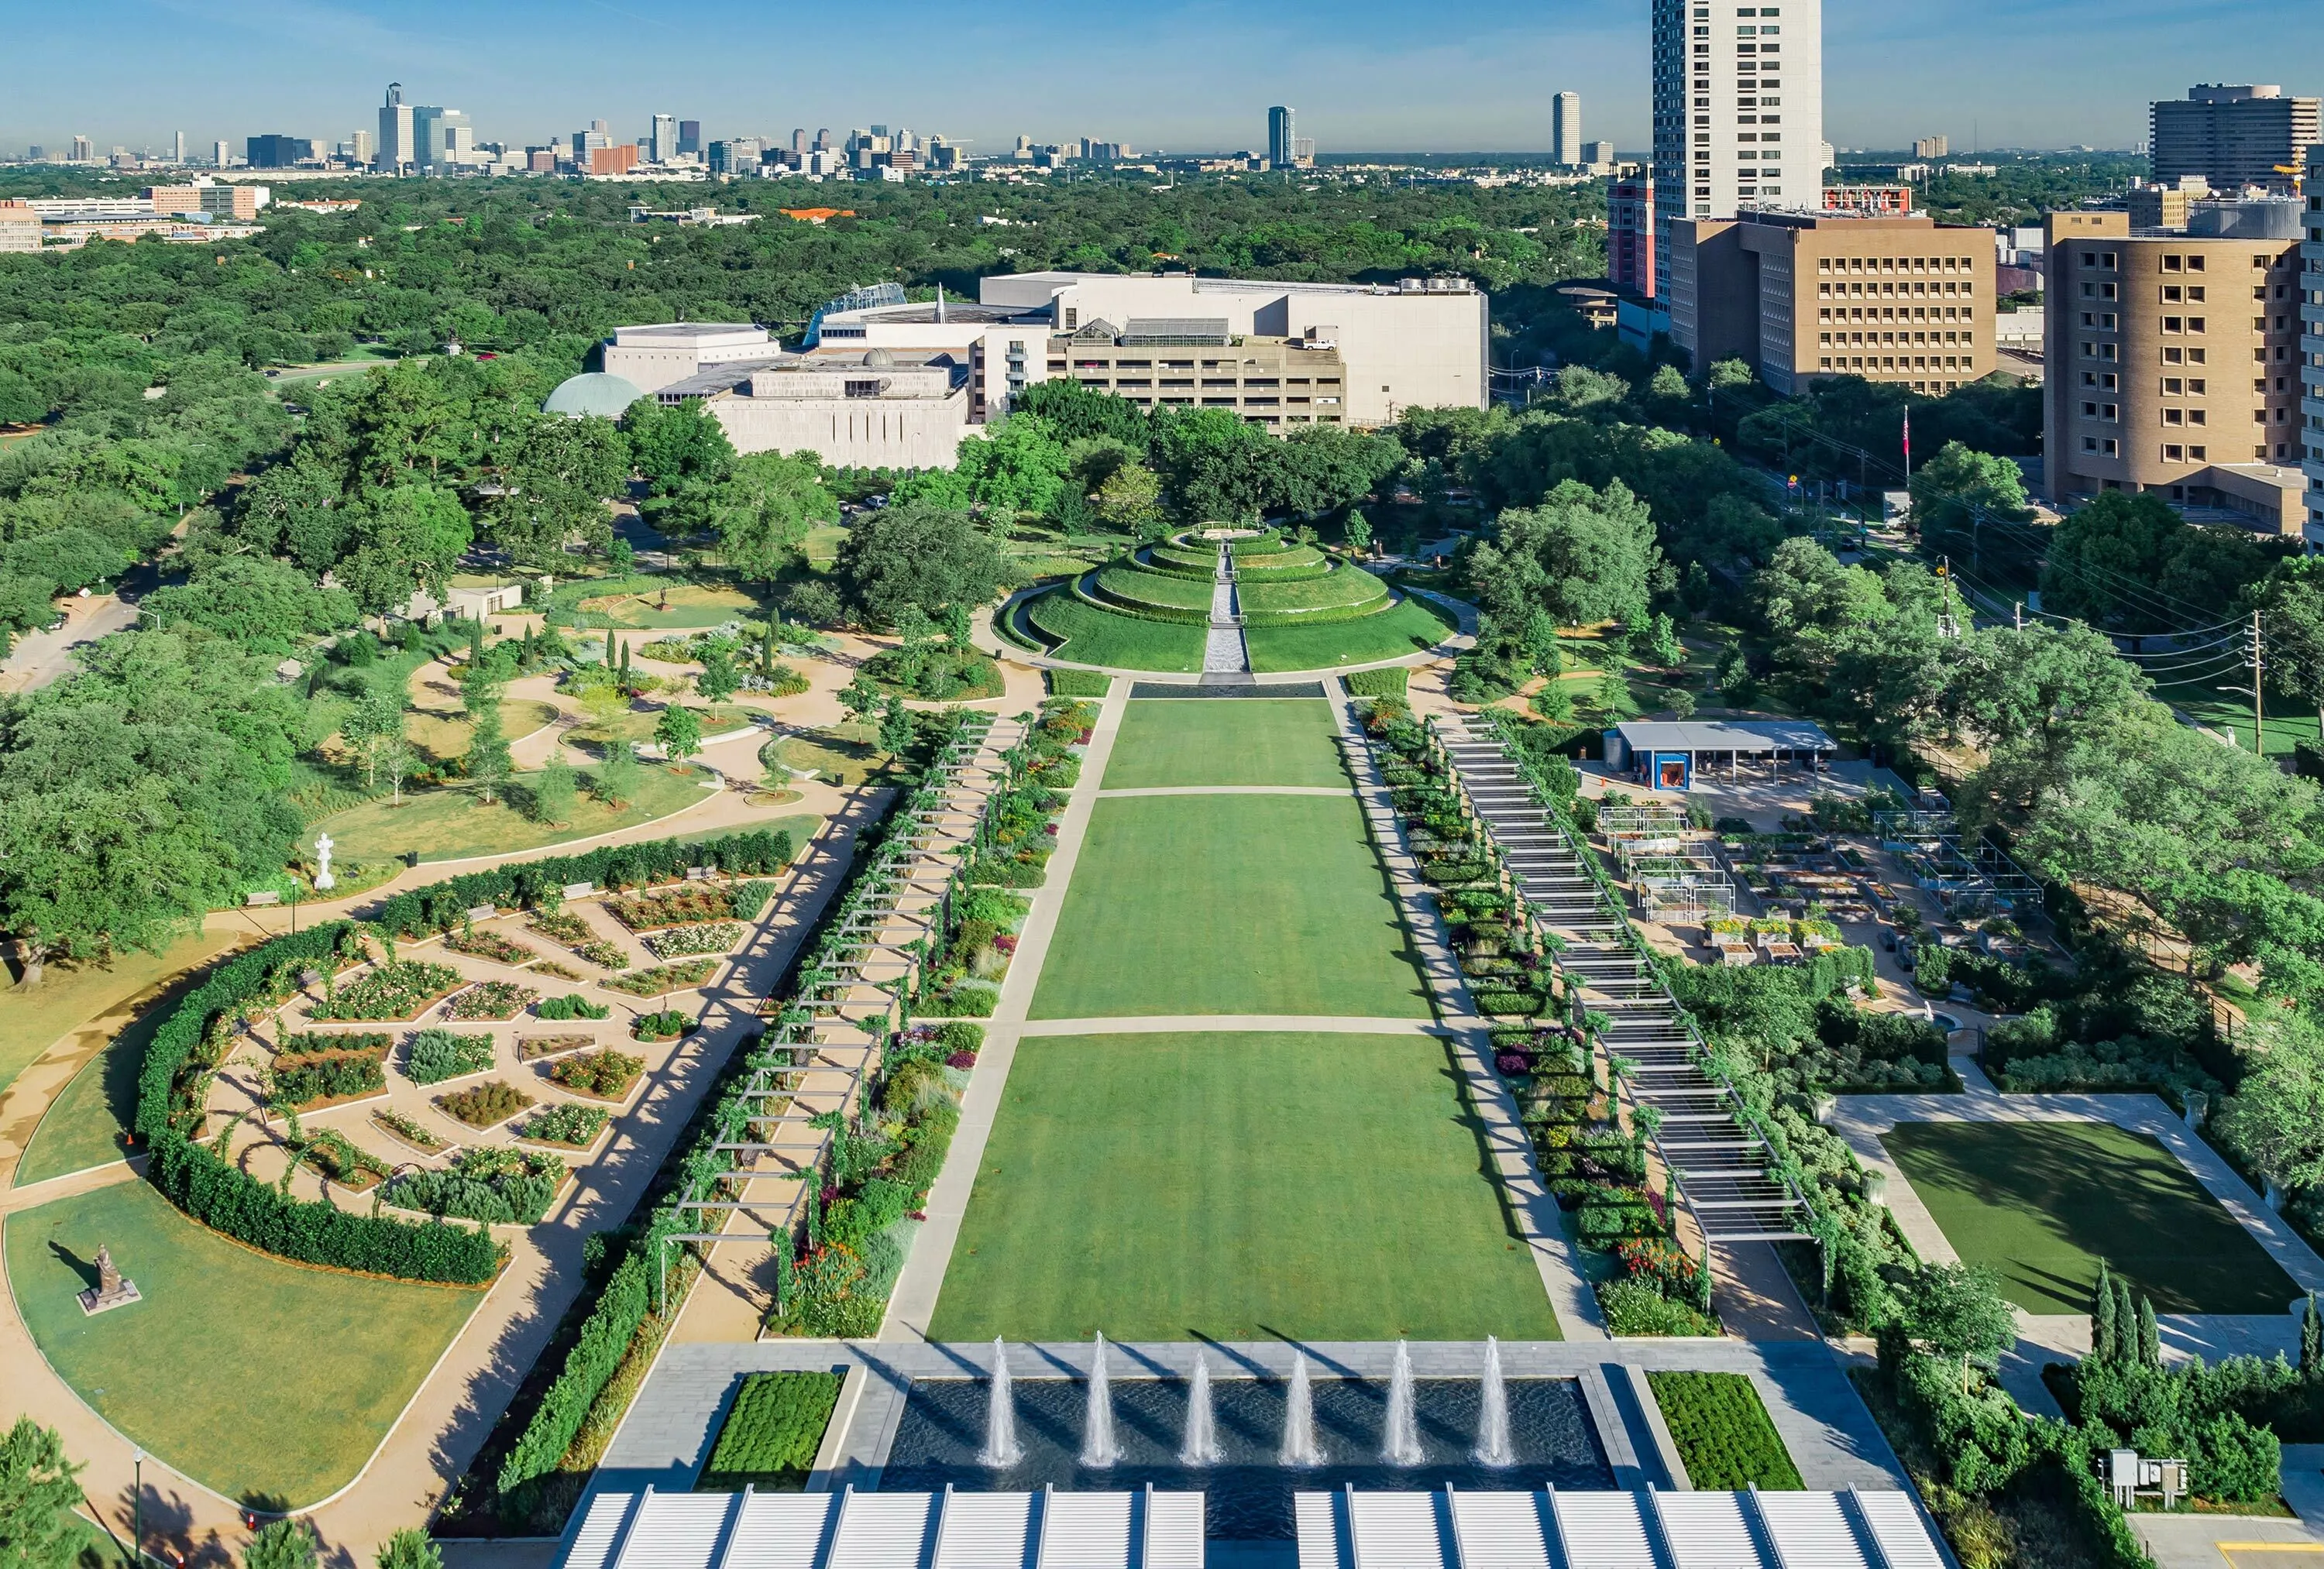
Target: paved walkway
(1224, 650)
(1532, 1208)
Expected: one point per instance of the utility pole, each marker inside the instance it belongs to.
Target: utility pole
(2018, 614)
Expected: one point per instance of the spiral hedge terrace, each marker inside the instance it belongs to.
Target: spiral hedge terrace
(173, 1081)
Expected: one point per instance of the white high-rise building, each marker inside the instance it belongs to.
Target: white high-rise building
(395, 147)
(1565, 129)
(178, 148)
(1738, 108)
(661, 145)
(218, 155)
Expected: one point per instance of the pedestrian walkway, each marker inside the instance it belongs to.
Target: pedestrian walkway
(1224, 651)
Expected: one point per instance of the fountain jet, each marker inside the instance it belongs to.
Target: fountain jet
(1299, 1446)
(1201, 1445)
(1001, 1449)
(1402, 1445)
(1099, 1449)
(1493, 1447)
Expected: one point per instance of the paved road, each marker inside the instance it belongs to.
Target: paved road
(41, 658)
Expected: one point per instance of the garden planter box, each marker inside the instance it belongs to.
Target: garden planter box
(588, 1151)
(525, 1103)
(425, 1152)
(481, 1003)
(627, 1099)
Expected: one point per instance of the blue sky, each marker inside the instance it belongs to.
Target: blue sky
(1179, 74)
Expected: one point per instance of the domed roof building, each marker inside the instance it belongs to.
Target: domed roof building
(593, 393)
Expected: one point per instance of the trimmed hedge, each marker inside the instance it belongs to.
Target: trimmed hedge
(1389, 683)
(772, 1434)
(227, 1199)
(1722, 1432)
(1350, 588)
(1078, 683)
(605, 1340)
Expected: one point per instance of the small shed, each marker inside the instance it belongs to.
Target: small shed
(1666, 755)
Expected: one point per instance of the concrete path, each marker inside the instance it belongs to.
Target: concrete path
(1831, 1435)
(1533, 1210)
(1224, 651)
(913, 1303)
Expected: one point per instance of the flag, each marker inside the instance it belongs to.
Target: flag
(1908, 438)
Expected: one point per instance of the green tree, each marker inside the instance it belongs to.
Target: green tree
(914, 556)
(2106, 1322)
(718, 679)
(375, 717)
(554, 489)
(764, 509)
(2291, 602)
(72, 558)
(410, 1548)
(1957, 1313)
(617, 777)
(553, 789)
(281, 1544)
(1961, 496)
(1359, 532)
(1016, 468)
(859, 697)
(1072, 412)
(487, 759)
(679, 731)
(1130, 498)
(1215, 468)
(896, 728)
(264, 604)
(677, 446)
(38, 1493)
(2276, 1119)
(1803, 588)
(1583, 556)
(2107, 556)
(406, 538)
(2311, 1341)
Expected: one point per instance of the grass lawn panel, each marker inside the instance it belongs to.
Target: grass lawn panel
(251, 1376)
(453, 823)
(684, 607)
(74, 994)
(445, 733)
(638, 728)
(88, 1124)
(1257, 740)
(1408, 628)
(1089, 635)
(846, 754)
(1228, 904)
(2041, 1203)
(1240, 1187)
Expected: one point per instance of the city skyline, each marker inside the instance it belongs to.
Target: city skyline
(1471, 80)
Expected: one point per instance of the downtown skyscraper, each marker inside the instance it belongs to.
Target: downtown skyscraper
(1739, 108)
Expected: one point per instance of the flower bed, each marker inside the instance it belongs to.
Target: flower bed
(604, 1075)
(330, 1156)
(320, 1042)
(485, 1105)
(656, 980)
(572, 1006)
(687, 940)
(489, 945)
(534, 1048)
(311, 1080)
(436, 1055)
(405, 1130)
(604, 954)
(508, 1187)
(574, 1127)
(666, 1026)
(692, 904)
(491, 999)
(400, 990)
(564, 926)
(1722, 1432)
(555, 971)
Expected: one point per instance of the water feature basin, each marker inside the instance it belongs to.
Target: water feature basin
(940, 1440)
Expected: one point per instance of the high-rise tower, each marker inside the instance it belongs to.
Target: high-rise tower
(1738, 109)
(1280, 152)
(1565, 129)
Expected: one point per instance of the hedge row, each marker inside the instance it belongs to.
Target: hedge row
(226, 1199)
(1723, 1432)
(1142, 613)
(442, 907)
(774, 1430)
(605, 1340)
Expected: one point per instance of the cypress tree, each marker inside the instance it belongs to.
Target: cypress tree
(2311, 1341)
(2149, 1339)
(2125, 1323)
(2105, 1338)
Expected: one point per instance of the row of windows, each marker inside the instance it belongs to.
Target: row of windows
(1925, 339)
(1896, 362)
(1895, 313)
(1957, 289)
(2172, 261)
(1135, 388)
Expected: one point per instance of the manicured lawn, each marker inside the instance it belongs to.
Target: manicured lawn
(1089, 635)
(1218, 740)
(690, 607)
(637, 727)
(86, 1124)
(449, 824)
(1407, 628)
(443, 733)
(69, 995)
(2041, 1203)
(1228, 904)
(254, 1376)
(1236, 1186)
(844, 753)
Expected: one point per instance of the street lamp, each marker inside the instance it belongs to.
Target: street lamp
(137, 1511)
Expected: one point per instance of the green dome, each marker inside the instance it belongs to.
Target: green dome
(608, 396)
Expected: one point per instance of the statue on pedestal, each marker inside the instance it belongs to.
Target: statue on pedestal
(323, 881)
(113, 1288)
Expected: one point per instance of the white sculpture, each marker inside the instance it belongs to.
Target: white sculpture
(323, 879)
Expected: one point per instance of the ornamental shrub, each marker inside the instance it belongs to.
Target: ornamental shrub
(774, 1430)
(436, 1055)
(605, 1339)
(573, 1005)
(1722, 1432)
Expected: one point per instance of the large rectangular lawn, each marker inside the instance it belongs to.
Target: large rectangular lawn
(1225, 740)
(2041, 1203)
(1238, 1187)
(1228, 904)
